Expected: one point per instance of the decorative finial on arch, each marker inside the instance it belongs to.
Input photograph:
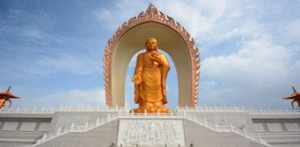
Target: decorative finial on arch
(151, 8)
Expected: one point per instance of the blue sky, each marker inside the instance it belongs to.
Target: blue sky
(52, 50)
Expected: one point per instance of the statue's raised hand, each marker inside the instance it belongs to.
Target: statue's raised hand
(156, 57)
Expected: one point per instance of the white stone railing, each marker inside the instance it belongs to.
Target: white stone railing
(49, 110)
(236, 109)
(157, 145)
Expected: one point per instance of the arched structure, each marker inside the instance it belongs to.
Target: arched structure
(130, 38)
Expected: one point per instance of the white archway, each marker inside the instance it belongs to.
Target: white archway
(173, 38)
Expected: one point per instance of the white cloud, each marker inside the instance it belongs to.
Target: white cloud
(47, 65)
(257, 59)
(293, 31)
(31, 47)
(71, 97)
(120, 12)
(77, 97)
(79, 64)
(258, 74)
(105, 16)
(199, 17)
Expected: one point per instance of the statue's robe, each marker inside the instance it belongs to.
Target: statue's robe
(152, 89)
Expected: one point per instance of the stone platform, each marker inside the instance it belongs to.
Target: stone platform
(102, 127)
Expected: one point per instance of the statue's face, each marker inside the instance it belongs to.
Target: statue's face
(151, 44)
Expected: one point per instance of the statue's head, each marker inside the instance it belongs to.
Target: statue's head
(151, 44)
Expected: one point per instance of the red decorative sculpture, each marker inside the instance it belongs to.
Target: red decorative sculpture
(295, 97)
(6, 97)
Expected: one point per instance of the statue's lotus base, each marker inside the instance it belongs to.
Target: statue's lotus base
(151, 108)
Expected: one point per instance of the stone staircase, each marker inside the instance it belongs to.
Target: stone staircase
(78, 134)
(227, 133)
(158, 130)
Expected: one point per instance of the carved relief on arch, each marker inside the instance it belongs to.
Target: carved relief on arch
(152, 14)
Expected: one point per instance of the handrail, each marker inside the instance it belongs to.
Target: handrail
(145, 145)
(227, 128)
(49, 110)
(73, 128)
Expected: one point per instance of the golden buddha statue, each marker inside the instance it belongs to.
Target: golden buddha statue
(150, 79)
